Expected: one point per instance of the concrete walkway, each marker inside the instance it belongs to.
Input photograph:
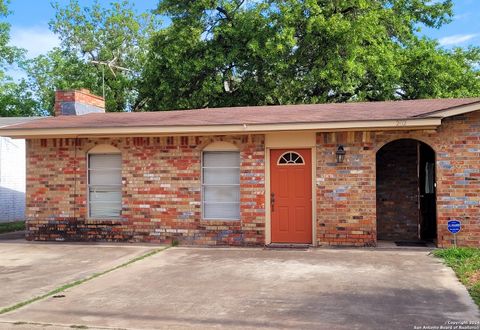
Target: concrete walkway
(251, 288)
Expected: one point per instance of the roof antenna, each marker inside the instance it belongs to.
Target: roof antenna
(111, 65)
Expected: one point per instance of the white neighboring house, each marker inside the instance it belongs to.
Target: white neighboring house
(12, 173)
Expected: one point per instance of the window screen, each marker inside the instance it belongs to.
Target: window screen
(104, 186)
(221, 185)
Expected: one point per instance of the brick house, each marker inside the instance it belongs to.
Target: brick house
(325, 174)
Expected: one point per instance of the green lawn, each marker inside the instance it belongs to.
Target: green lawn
(466, 264)
(12, 226)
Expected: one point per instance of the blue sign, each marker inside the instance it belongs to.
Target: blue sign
(454, 226)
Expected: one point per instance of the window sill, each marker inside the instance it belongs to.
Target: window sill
(216, 221)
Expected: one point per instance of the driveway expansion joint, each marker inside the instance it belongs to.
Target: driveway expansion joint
(79, 282)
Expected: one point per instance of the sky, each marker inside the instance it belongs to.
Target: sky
(29, 24)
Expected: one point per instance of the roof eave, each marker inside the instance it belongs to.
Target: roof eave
(450, 112)
(397, 124)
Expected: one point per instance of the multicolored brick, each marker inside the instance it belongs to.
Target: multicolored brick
(161, 192)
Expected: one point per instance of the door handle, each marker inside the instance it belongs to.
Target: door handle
(272, 201)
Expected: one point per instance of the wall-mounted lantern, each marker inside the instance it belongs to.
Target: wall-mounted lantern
(340, 154)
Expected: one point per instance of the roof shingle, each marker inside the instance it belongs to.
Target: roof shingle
(333, 112)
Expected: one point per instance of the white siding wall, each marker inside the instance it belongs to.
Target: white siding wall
(12, 179)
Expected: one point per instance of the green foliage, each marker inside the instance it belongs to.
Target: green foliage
(115, 34)
(428, 71)
(240, 52)
(466, 264)
(8, 227)
(78, 282)
(8, 54)
(60, 69)
(15, 99)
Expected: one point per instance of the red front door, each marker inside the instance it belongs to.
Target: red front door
(291, 195)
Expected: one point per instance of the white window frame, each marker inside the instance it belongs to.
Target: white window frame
(89, 186)
(291, 164)
(203, 185)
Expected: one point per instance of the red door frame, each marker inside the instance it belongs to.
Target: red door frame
(291, 198)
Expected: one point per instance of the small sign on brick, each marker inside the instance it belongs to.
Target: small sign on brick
(454, 227)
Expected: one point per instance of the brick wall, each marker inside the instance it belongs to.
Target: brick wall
(346, 207)
(161, 192)
(346, 191)
(12, 179)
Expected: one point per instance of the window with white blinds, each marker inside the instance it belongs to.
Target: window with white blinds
(221, 185)
(104, 185)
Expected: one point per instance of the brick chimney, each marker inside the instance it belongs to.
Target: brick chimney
(77, 102)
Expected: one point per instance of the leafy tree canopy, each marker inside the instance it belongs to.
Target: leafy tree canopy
(8, 54)
(90, 38)
(241, 52)
(15, 99)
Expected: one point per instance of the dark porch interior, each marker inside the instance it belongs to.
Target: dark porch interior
(406, 209)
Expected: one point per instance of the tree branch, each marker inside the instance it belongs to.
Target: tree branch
(224, 12)
(402, 95)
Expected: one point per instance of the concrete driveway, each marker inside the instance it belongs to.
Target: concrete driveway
(30, 269)
(252, 288)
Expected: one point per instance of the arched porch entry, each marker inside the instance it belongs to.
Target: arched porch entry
(406, 197)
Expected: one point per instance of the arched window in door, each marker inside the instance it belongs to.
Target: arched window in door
(290, 158)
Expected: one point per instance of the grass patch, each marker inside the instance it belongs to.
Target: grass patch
(8, 227)
(76, 283)
(466, 264)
